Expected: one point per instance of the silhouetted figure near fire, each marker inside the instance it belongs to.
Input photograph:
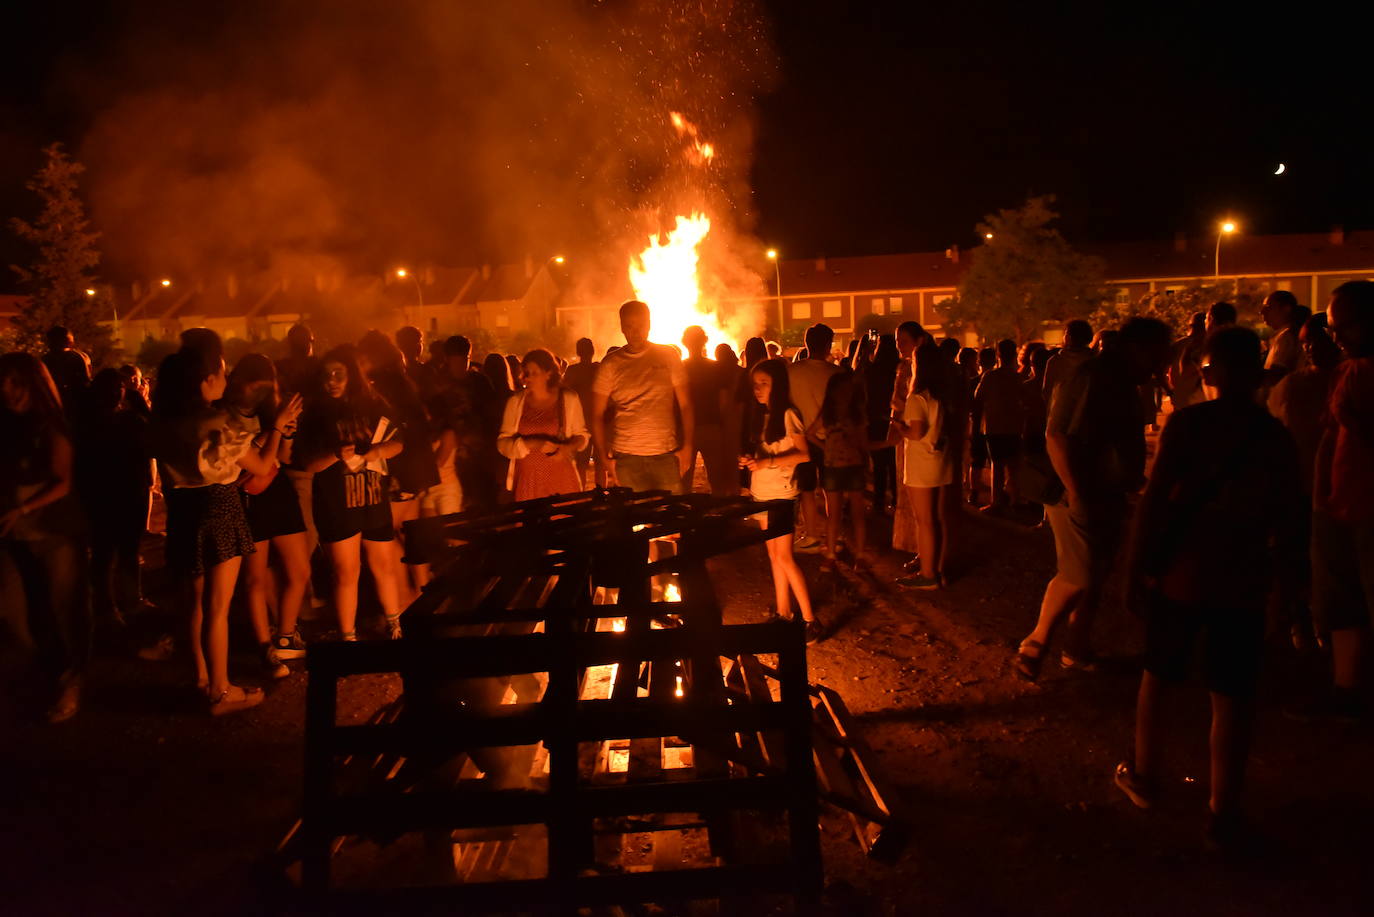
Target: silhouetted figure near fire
(642, 381)
(580, 377)
(1220, 517)
(710, 388)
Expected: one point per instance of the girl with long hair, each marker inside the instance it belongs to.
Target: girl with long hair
(841, 430)
(202, 453)
(542, 430)
(774, 445)
(41, 526)
(928, 462)
(273, 511)
(345, 434)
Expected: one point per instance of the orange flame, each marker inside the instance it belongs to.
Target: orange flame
(664, 275)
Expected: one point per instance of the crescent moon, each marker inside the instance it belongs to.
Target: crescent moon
(1281, 169)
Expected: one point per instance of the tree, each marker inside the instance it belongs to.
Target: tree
(1024, 276)
(1176, 307)
(61, 278)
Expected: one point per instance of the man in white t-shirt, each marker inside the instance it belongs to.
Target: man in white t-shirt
(640, 446)
(807, 379)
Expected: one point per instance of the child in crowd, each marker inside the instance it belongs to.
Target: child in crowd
(775, 444)
(841, 431)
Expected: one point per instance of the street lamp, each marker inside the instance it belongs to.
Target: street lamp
(419, 293)
(1226, 229)
(165, 282)
(558, 259)
(772, 254)
(988, 236)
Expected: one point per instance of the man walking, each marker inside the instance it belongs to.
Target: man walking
(1096, 442)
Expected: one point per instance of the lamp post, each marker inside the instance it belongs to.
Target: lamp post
(419, 293)
(777, 275)
(1226, 229)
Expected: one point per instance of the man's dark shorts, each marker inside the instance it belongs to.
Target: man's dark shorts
(809, 472)
(1232, 644)
(1342, 572)
(1003, 447)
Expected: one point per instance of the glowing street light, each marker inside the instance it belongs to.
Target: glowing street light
(165, 282)
(559, 259)
(772, 255)
(90, 291)
(419, 293)
(988, 236)
(1227, 228)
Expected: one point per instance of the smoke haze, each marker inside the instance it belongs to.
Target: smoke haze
(286, 135)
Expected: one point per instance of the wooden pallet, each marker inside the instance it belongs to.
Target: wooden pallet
(538, 752)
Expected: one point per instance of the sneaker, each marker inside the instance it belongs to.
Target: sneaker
(807, 545)
(393, 627)
(917, 581)
(289, 646)
(814, 631)
(913, 565)
(350, 636)
(1140, 790)
(275, 667)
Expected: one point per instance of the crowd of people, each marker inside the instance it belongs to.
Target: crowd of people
(268, 470)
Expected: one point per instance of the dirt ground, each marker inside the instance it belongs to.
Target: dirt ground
(143, 806)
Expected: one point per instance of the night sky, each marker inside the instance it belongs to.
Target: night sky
(895, 127)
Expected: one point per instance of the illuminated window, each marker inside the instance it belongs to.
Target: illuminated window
(878, 305)
(894, 304)
(1123, 296)
(831, 309)
(503, 320)
(801, 310)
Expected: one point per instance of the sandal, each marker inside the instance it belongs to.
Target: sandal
(1141, 790)
(393, 627)
(1080, 663)
(233, 699)
(1027, 665)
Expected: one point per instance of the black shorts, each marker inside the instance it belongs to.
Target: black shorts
(808, 474)
(978, 450)
(351, 504)
(1232, 644)
(274, 512)
(1003, 447)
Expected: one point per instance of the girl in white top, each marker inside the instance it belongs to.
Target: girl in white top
(928, 464)
(776, 445)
